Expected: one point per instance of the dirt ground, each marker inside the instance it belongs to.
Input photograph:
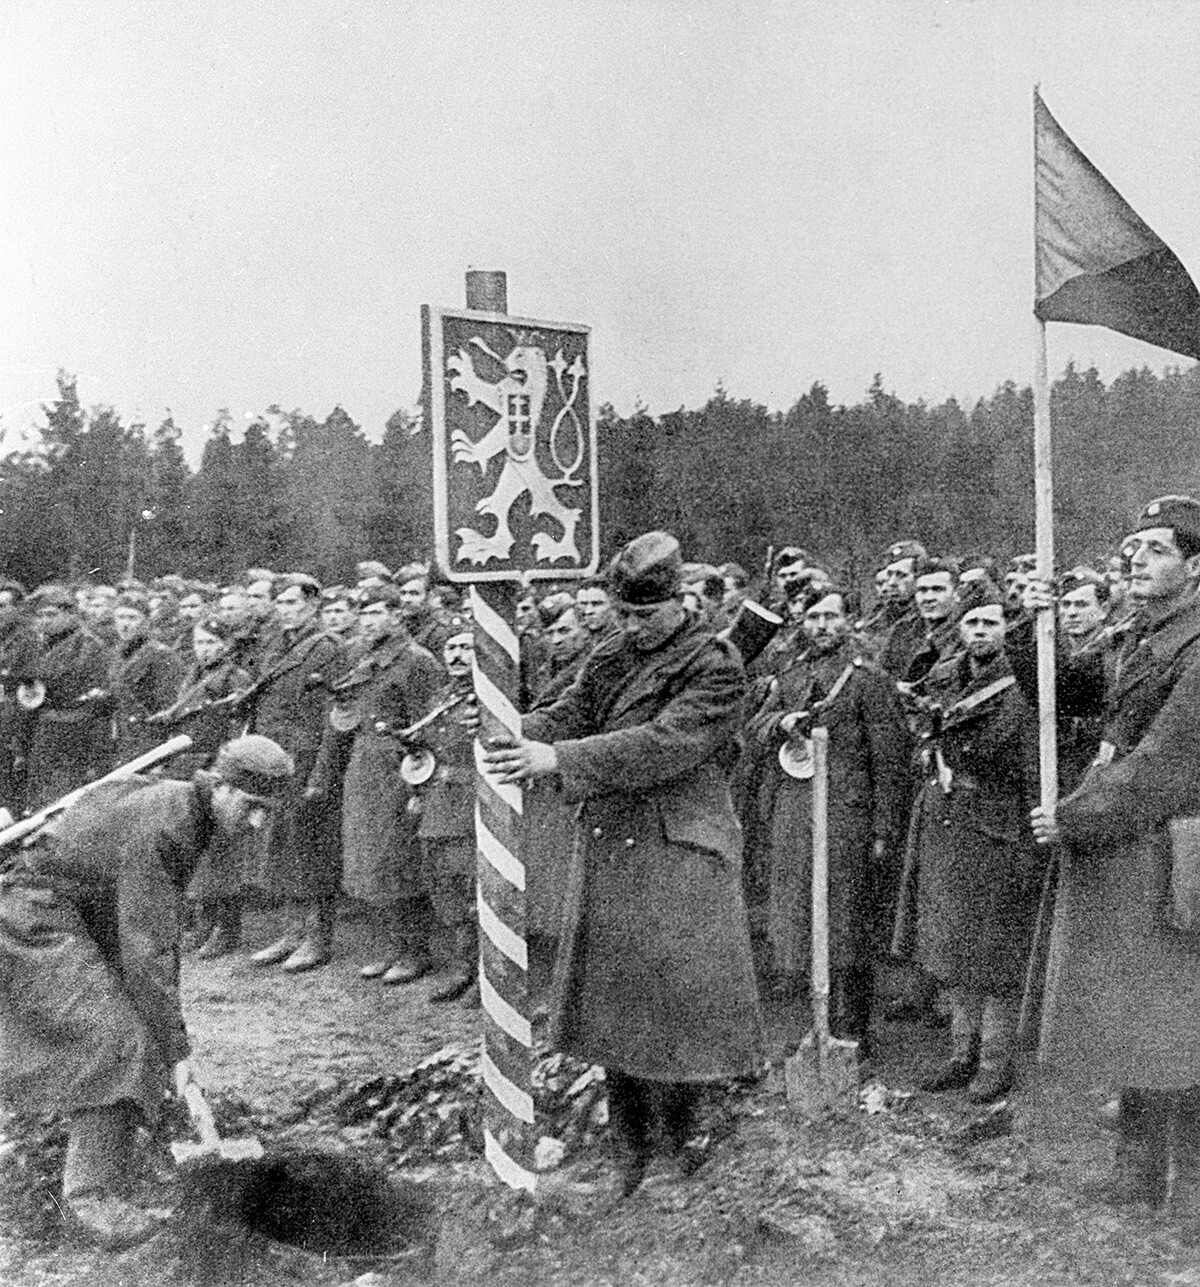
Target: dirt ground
(897, 1191)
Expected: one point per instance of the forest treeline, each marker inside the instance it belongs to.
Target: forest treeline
(730, 479)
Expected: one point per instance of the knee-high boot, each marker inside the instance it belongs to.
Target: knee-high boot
(96, 1178)
(1142, 1156)
(629, 1120)
(316, 947)
(1184, 1201)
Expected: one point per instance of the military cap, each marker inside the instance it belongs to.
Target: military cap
(1180, 513)
(646, 571)
(54, 596)
(369, 568)
(902, 550)
(256, 765)
(308, 586)
(448, 627)
(785, 557)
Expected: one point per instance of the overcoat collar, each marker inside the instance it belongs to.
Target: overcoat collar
(971, 683)
(291, 650)
(1152, 648)
(661, 665)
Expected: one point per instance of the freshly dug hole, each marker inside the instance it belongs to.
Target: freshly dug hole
(317, 1201)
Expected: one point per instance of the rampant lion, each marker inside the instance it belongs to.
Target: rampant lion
(517, 399)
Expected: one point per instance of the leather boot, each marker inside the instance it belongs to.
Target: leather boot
(959, 1069)
(201, 918)
(1184, 1201)
(629, 1124)
(226, 934)
(1142, 1155)
(464, 967)
(408, 967)
(316, 947)
(994, 1078)
(287, 942)
(95, 1179)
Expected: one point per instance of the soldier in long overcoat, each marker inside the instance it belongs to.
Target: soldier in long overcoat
(1122, 1005)
(549, 815)
(206, 710)
(972, 871)
(391, 685)
(144, 679)
(654, 977)
(72, 737)
(90, 1017)
(18, 668)
(445, 804)
(869, 757)
(302, 860)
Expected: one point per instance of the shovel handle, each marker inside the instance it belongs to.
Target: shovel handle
(201, 1114)
(820, 884)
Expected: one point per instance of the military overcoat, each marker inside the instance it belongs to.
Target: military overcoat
(145, 678)
(392, 683)
(1122, 1004)
(978, 874)
(869, 757)
(654, 975)
(302, 857)
(89, 960)
(72, 738)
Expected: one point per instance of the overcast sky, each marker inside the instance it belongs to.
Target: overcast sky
(233, 204)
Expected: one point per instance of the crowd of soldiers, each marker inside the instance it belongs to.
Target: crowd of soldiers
(939, 855)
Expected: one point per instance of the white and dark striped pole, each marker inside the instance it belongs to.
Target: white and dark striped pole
(508, 1126)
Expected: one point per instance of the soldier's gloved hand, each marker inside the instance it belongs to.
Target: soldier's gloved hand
(469, 718)
(1045, 825)
(1038, 595)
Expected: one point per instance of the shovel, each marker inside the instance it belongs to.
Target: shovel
(823, 1073)
(211, 1148)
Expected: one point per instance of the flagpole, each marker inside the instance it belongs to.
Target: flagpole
(1043, 491)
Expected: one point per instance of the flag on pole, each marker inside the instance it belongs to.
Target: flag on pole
(1098, 262)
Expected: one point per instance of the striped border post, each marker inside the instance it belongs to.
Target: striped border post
(507, 1060)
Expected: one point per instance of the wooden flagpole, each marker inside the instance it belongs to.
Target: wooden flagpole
(1043, 490)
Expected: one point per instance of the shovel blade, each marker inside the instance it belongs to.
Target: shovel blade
(822, 1076)
(246, 1149)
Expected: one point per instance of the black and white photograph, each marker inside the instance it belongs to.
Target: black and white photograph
(600, 643)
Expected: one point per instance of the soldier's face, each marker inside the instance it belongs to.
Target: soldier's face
(826, 624)
(236, 810)
(230, 607)
(413, 594)
(191, 607)
(1080, 611)
(375, 620)
(336, 616)
(293, 609)
(592, 604)
(934, 595)
(789, 574)
(458, 655)
(896, 581)
(259, 592)
(563, 633)
(982, 630)
(209, 648)
(1157, 567)
(650, 625)
(127, 622)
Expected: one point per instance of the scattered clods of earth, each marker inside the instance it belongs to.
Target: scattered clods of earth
(367, 1101)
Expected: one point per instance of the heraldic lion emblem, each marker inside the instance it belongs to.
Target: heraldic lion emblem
(519, 399)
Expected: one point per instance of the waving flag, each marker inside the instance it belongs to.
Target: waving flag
(1098, 262)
